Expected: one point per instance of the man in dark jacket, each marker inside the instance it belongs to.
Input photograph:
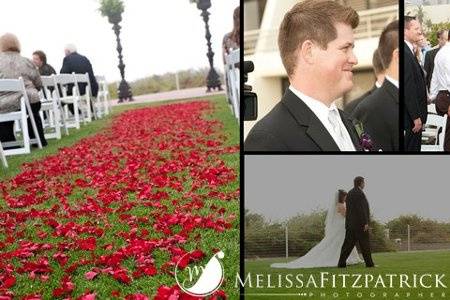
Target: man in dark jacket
(379, 111)
(415, 98)
(79, 64)
(356, 224)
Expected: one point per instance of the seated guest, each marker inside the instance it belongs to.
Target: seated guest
(13, 66)
(79, 64)
(379, 111)
(231, 40)
(378, 70)
(40, 60)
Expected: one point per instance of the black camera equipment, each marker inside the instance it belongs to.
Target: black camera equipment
(250, 98)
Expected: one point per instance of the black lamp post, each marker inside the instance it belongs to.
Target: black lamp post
(113, 9)
(212, 80)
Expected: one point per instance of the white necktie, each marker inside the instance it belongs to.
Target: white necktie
(333, 117)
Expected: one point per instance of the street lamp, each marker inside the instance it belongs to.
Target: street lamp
(212, 80)
(113, 9)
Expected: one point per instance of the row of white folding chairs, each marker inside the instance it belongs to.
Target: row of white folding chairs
(57, 100)
(232, 61)
(55, 107)
(22, 146)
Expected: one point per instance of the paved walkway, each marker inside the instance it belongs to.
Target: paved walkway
(172, 95)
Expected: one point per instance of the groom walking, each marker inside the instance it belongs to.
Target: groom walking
(356, 224)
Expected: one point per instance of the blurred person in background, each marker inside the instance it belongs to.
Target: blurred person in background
(442, 36)
(378, 70)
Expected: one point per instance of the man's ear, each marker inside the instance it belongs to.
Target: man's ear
(395, 54)
(306, 51)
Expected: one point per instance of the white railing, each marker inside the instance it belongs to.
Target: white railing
(371, 24)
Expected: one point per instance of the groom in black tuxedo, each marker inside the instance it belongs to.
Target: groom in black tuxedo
(316, 47)
(356, 224)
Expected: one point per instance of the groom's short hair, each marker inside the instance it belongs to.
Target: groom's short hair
(311, 20)
(388, 42)
(358, 181)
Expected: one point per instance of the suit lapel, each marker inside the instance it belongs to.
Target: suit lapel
(351, 130)
(414, 58)
(305, 117)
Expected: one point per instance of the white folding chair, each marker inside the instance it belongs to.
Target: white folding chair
(20, 117)
(87, 98)
(103, 94)
(3, 157)
(232, 72)
(51, 105)
(438, 134)
(431, 108)
(63, 80)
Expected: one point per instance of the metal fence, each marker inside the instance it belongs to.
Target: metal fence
(287, 242)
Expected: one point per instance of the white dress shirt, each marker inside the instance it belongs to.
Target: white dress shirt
(392, 80)
(440, 80)
(322, 112)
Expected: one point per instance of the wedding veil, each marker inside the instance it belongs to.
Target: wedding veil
(332, 215)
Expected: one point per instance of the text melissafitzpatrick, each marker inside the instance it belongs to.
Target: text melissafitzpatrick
(326, 280)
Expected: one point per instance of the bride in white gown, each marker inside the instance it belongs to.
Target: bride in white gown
(327, 252)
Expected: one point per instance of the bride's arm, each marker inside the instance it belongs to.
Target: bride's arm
(341, 209)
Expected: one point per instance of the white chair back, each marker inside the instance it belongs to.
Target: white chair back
(103, 94)
(20, 117)
(63, 80)
(51, 105)
(440, 122)
(232, 72)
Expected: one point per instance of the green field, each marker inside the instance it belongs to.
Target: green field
(104, 286)
(420, 262)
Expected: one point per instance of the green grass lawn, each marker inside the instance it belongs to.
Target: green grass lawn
(227, 241)
(421, 262)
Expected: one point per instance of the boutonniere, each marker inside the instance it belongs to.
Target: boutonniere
(365, 141)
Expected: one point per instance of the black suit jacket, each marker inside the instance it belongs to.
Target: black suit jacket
(429, 64)
(379, 116)
(415, 89)
(79, 64)
(292, 126)
(349, 108)
(358, 212)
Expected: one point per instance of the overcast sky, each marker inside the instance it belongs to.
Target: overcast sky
(157, 36)
(283, 186)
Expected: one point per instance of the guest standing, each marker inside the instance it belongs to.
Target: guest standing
(415, 110)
